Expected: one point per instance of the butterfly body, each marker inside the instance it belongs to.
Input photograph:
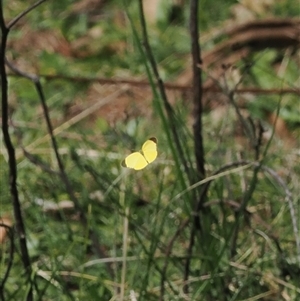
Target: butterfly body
(139, 160)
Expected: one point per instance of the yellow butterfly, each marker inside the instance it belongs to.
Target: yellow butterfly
(139, 160)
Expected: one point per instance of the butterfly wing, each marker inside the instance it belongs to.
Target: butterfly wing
(149, 149)
(135, 161)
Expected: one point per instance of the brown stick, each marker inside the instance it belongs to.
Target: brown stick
(12, 164)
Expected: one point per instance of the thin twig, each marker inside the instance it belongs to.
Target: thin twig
(25, 12)
(63, 175)
(167, 85)
(38, 162)
(12, 158)
(197, 129)
(161, 87)
(197, 89)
